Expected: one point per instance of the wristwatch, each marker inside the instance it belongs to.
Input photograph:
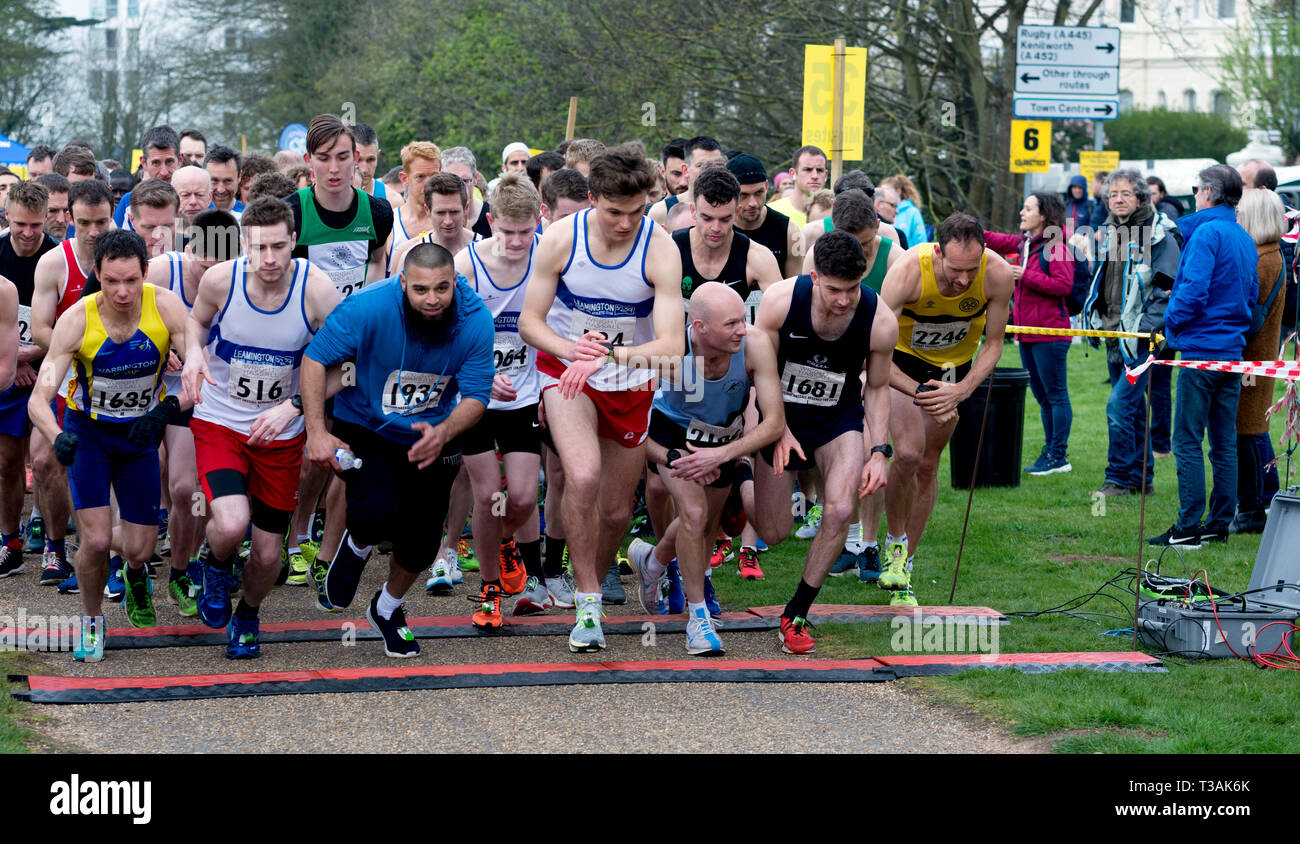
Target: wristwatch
(673, 455)
(885, 449)
(296, 401)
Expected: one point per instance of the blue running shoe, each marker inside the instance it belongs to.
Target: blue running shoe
(195, 571)
(214, 606)
(761, 546)
(35, 536)
(710, 599)
(69, 586)
(675, 600)
(115, 586)
(242, 632)
(701, 639)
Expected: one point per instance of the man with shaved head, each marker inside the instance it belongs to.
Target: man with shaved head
(194, 188)
(697, 442)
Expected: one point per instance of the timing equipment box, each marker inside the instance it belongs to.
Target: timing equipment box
(1174, 627)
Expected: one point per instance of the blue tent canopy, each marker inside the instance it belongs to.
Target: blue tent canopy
(12, 152)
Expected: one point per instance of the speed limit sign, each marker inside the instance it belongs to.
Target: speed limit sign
(1031, 145)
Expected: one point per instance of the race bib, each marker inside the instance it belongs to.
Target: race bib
(509, 353)
(407, 392)
(121, 398)
(751, 305)
(700, 433)
(348, 281)
(938, 335)
(25, 325)
(259, 385)
(618, 331)
(807, 385)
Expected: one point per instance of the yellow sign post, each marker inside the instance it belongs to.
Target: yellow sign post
(1092, 163)
(820, 86)
(1031, 146)
(137, 155)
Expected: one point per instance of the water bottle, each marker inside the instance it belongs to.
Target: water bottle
(347, 460)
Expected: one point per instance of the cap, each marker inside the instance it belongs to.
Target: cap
(747, 169)
(515, 147)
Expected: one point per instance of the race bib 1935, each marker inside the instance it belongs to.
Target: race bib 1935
(802, 384)
(409, 392)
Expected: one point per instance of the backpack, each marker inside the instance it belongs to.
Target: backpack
(1078, 294)
(1259, 311)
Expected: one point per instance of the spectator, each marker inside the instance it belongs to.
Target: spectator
(1039, 301)
(1160, 198)
(1100, 210)
(908, 221)
(1137, 259)
(1079, 206)
(1260, 174)
(1207, 318)
(1260, 214)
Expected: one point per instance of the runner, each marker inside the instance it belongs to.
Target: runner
(21, 249)
(368, 161)
(764, 225)
(542, 165)
(401, 420)
(672, 166)
(580, 153)
(696, 438)
(460, 162)
(118, 340)
(603, 305)
(448, 200)
(808, 167)
(193, 148)
(420, 160)
(222, 164)
(702, 152)
(256, 315)
(159, 162)
(946, 295)
(56, 208)
(40, 161)
(827, 327)
(193, 188)
(712, 250)
(564, 193)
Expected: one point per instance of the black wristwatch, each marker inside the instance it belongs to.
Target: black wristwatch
(885, 449)
(673, 455)
(296, 401)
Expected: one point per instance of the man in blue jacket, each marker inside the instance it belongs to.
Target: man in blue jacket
(400, 417)
(1207, 317)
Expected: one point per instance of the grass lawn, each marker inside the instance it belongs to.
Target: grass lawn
(1036, 546)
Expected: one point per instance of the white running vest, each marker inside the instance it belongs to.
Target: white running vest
(616, 300)
(175, 283)
(510, 355)
(255, 355)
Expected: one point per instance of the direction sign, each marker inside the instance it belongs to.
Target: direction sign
(1070, 81)
(1067, 46)
(1060, 108)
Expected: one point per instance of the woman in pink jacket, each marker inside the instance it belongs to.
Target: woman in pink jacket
(1043, 278)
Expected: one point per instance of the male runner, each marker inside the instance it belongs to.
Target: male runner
(701, 153)
(193, 188)
(118, 340)
(152, 215)
(256, 315)
(222, 164)
(460, 162)
(542, 165)
(448, 200)
(76, 164)
(193, 148)
(499, 269)
(420, 160)
(401, 419)
(672, 166)
(581, 152)
(63, 276)
(852, 180)
(159, 162)
(946, 295)
(808, 167)
(21, 249)
(40, 160)
(564, 192)
(696, 435)
(827, 328)
(760, 223)
(56, 208)
(602, 308)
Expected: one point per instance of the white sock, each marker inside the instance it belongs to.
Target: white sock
(36, 514)
(708, 573)
(691, 608)
(910, 560)
(304, 537)
(360, 552)
(855, 532)
(387, 603)
(654, 568)
(872, 544)
(890, 539)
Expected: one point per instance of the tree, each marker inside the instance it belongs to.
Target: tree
(1161, 133)
(28, 73)
(1263, 65)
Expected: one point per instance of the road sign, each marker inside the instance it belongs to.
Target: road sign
(1071, 81)
(1067, 46)
(818, 78)
(1031, 146)
(1060, 108)
(1093, 161)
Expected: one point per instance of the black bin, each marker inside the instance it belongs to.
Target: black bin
(999, 463)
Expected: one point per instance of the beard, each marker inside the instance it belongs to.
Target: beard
(431, 330)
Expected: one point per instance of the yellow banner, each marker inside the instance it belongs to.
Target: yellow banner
(1092, 163)
(819, 94)
(137, 155)
(1031, 146)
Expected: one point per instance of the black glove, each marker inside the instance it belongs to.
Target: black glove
(147, 431)
(65, 448)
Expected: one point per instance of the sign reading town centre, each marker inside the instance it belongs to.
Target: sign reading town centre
(1067, 72)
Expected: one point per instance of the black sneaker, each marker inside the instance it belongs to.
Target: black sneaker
(611, 588)
(1209, 534)
(11, 561)
(342, 579)
(54, 569)
(1253, 522)
(399, 641)
(1177, 539)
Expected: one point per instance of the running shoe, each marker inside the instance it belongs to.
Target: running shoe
(35, 536)
(69, 586)
(760, 545)
(513, 576)
(811, 523)
(624, 564)
(137, 600)
(674, 598)
(895, 575)
(300, 564)
(560, 590)
(701, 638)
(214, 606)
(185, 595)
(318, 526)
(845, 563)
(11, 561)
(533, 599)
(195, 571)
(241, 635)
(488, 615)
(1050, 466)
(90, 647)
(869, 564)
(748, 567)
(649, 593)
(457, 576)
(721, 551)
(904, 597)
(342, 579)
(1190, 539)
(794, 636)
(587, 636)
(115, 585)
(165, 549)
(399, 641)
(611, 588)
(439, 582)
(710, 599)
(465, 551)
(54, 569)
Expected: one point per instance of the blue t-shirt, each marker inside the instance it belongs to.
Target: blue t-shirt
(400, 379)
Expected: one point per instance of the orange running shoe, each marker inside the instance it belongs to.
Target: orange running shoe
(488, 617)
(721, 551)
(513, 576)
(749, 568)
(794, 636)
